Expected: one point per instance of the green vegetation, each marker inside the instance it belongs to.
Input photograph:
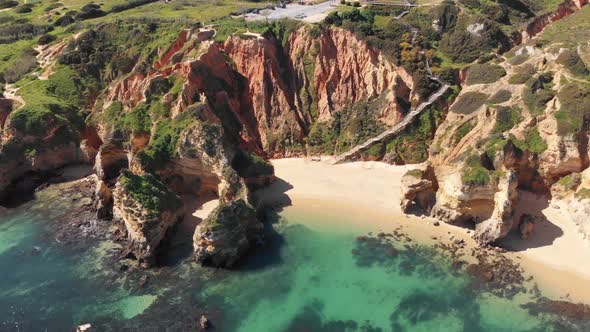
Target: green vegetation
(533, 142)
(538, 92)
(164, 142)
(484, 74)
(575, 108)
(462, 131)
(571, 60)
(570, 182)
(412, 145)
(506, 119)
(250, 165)
(350, 127)
(150, 193)
(474, 173)
(469, 102)
(51, 104)
(518, 60)
(500, 97)
(522, 74)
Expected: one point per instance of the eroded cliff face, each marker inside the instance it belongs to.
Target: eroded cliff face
(566, 8)
(346, 71)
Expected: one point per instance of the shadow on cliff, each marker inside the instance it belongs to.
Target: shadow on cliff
(270, 203)
(545, 232)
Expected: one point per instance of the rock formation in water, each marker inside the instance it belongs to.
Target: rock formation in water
(148, 210)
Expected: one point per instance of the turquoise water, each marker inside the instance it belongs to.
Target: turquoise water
(305, 280)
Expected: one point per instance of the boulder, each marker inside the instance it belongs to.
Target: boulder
(226, 234)
(418, 188)
(526, 226)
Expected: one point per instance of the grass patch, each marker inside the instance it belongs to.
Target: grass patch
(533, 142)
(474, 173)
(522, 74)
(538, 93)
(499, 97)
(575, 107)
(150, 193)
(506, 119)
(484, 74)
(469, 102)
(462, 131)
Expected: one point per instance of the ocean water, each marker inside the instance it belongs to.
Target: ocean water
(307, 279)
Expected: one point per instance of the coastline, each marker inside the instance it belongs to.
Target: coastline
(365, 196)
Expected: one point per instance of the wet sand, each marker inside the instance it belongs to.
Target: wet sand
(366, 196)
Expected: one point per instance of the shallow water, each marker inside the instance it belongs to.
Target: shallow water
(308, 279)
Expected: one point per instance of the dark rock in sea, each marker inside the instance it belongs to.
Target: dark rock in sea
(143, 281)
(574, 311)
(35, 251)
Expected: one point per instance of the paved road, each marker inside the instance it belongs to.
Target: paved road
(311, 13)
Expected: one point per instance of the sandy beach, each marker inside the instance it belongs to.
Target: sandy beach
(366, 195)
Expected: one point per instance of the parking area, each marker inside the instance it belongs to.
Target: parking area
(307, 13)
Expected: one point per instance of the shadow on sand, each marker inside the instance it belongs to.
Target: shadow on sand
(545, 232)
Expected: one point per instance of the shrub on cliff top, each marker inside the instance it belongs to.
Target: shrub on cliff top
(506, 119)
(469, 102)
(533, 142)
(484, 74)
(474, 173)
(573, 62)
(500, 97)
(575, 108)
(164, 142)
(250, 165)
(150, 193)
(522, 74)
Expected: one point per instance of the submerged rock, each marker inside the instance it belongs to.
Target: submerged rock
(148, 210)
(226, 234)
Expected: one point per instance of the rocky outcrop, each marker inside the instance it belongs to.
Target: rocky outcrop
(571, 194)
(226, 234)
(418, 191)
(526, 226)
(148, 210)
(500, 223)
